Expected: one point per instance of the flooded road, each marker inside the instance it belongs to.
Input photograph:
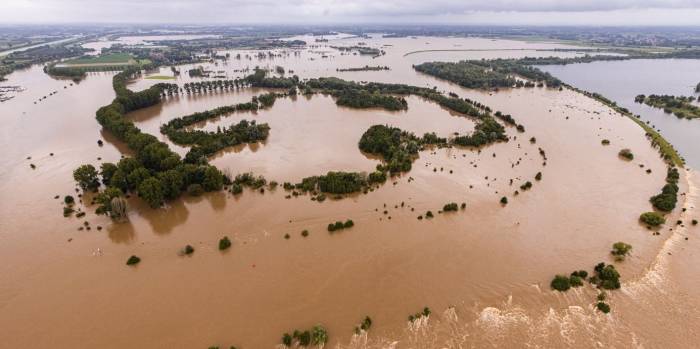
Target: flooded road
(484, 271)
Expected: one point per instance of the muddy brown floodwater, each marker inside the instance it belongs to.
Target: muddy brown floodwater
(484, 271)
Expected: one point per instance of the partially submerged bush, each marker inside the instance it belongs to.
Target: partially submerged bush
(626, 154)
(364, 325)
(224, 243)
(604, 307)
(561, 283)
(504, 200)
(426, 312)
(133, 260)
(620, 250)
(451, 207)
(653, 219)
(188, 249)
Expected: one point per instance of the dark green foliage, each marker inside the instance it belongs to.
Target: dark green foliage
(104, 201)
(604, 307)
(429, 214)
(425, 313)
(652, 219)
(334, 183)
(224, 243)
(86, 176)
(485, 132)
(575, 281)
(606, 277)
(620, 250)
(133, 260)
(451, 207)
(488, 74)
(504, 200)
(561, 283)
(538, 176)
(107, 170)
(397, 148)
(605, 142)
(68, 200)
(151, 190)
(626, 154)
(666, 201)
(287, 339)
(188, 249)
(364, 325)
(332, 227)
(526, 186)
(580, 273)
(364, 99)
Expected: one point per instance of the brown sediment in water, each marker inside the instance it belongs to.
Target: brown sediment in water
(492, 263)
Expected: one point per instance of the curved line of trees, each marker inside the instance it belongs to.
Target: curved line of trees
(155, 173)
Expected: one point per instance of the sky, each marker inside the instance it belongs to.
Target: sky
(463, 12)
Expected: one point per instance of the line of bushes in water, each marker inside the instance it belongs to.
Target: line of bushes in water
(207, 143)
(680, 106)
(488, 74)
(155, 173)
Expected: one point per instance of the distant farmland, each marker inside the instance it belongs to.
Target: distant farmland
(114, 59)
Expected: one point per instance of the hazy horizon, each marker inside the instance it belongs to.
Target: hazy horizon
(323, 12)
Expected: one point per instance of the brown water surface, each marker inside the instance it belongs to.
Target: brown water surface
(485, 271)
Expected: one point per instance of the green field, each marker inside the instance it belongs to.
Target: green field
(160, 77)
(114, 58)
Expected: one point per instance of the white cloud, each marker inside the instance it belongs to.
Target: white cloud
(346, 11)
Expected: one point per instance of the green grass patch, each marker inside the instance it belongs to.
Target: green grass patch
(114, 58)
(160, 77)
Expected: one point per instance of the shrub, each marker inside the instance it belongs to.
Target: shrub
(652, 219)
(67, 211)
(236, 188)
(304, 233)
(287, 339)
(605, 142)
(538, 176)
(575, 281)
(606, 277)
(133, 260)
(561, 283)
(319, 335)
(604, 307)
(580, 273)
(224, 243)
(450, 207)
(504, 200)
(620, 250)
(348, 224)
(695, 222)
(526, 186)
(68, 200)
(429, 214)
(86, 176)
(331, 227)
(364, 325)
(188, 249)
(626, 154)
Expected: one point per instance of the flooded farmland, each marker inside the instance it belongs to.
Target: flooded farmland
(484, 270)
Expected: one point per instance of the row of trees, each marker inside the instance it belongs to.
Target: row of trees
(488, 74)
(155, 173)
(680, 106)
